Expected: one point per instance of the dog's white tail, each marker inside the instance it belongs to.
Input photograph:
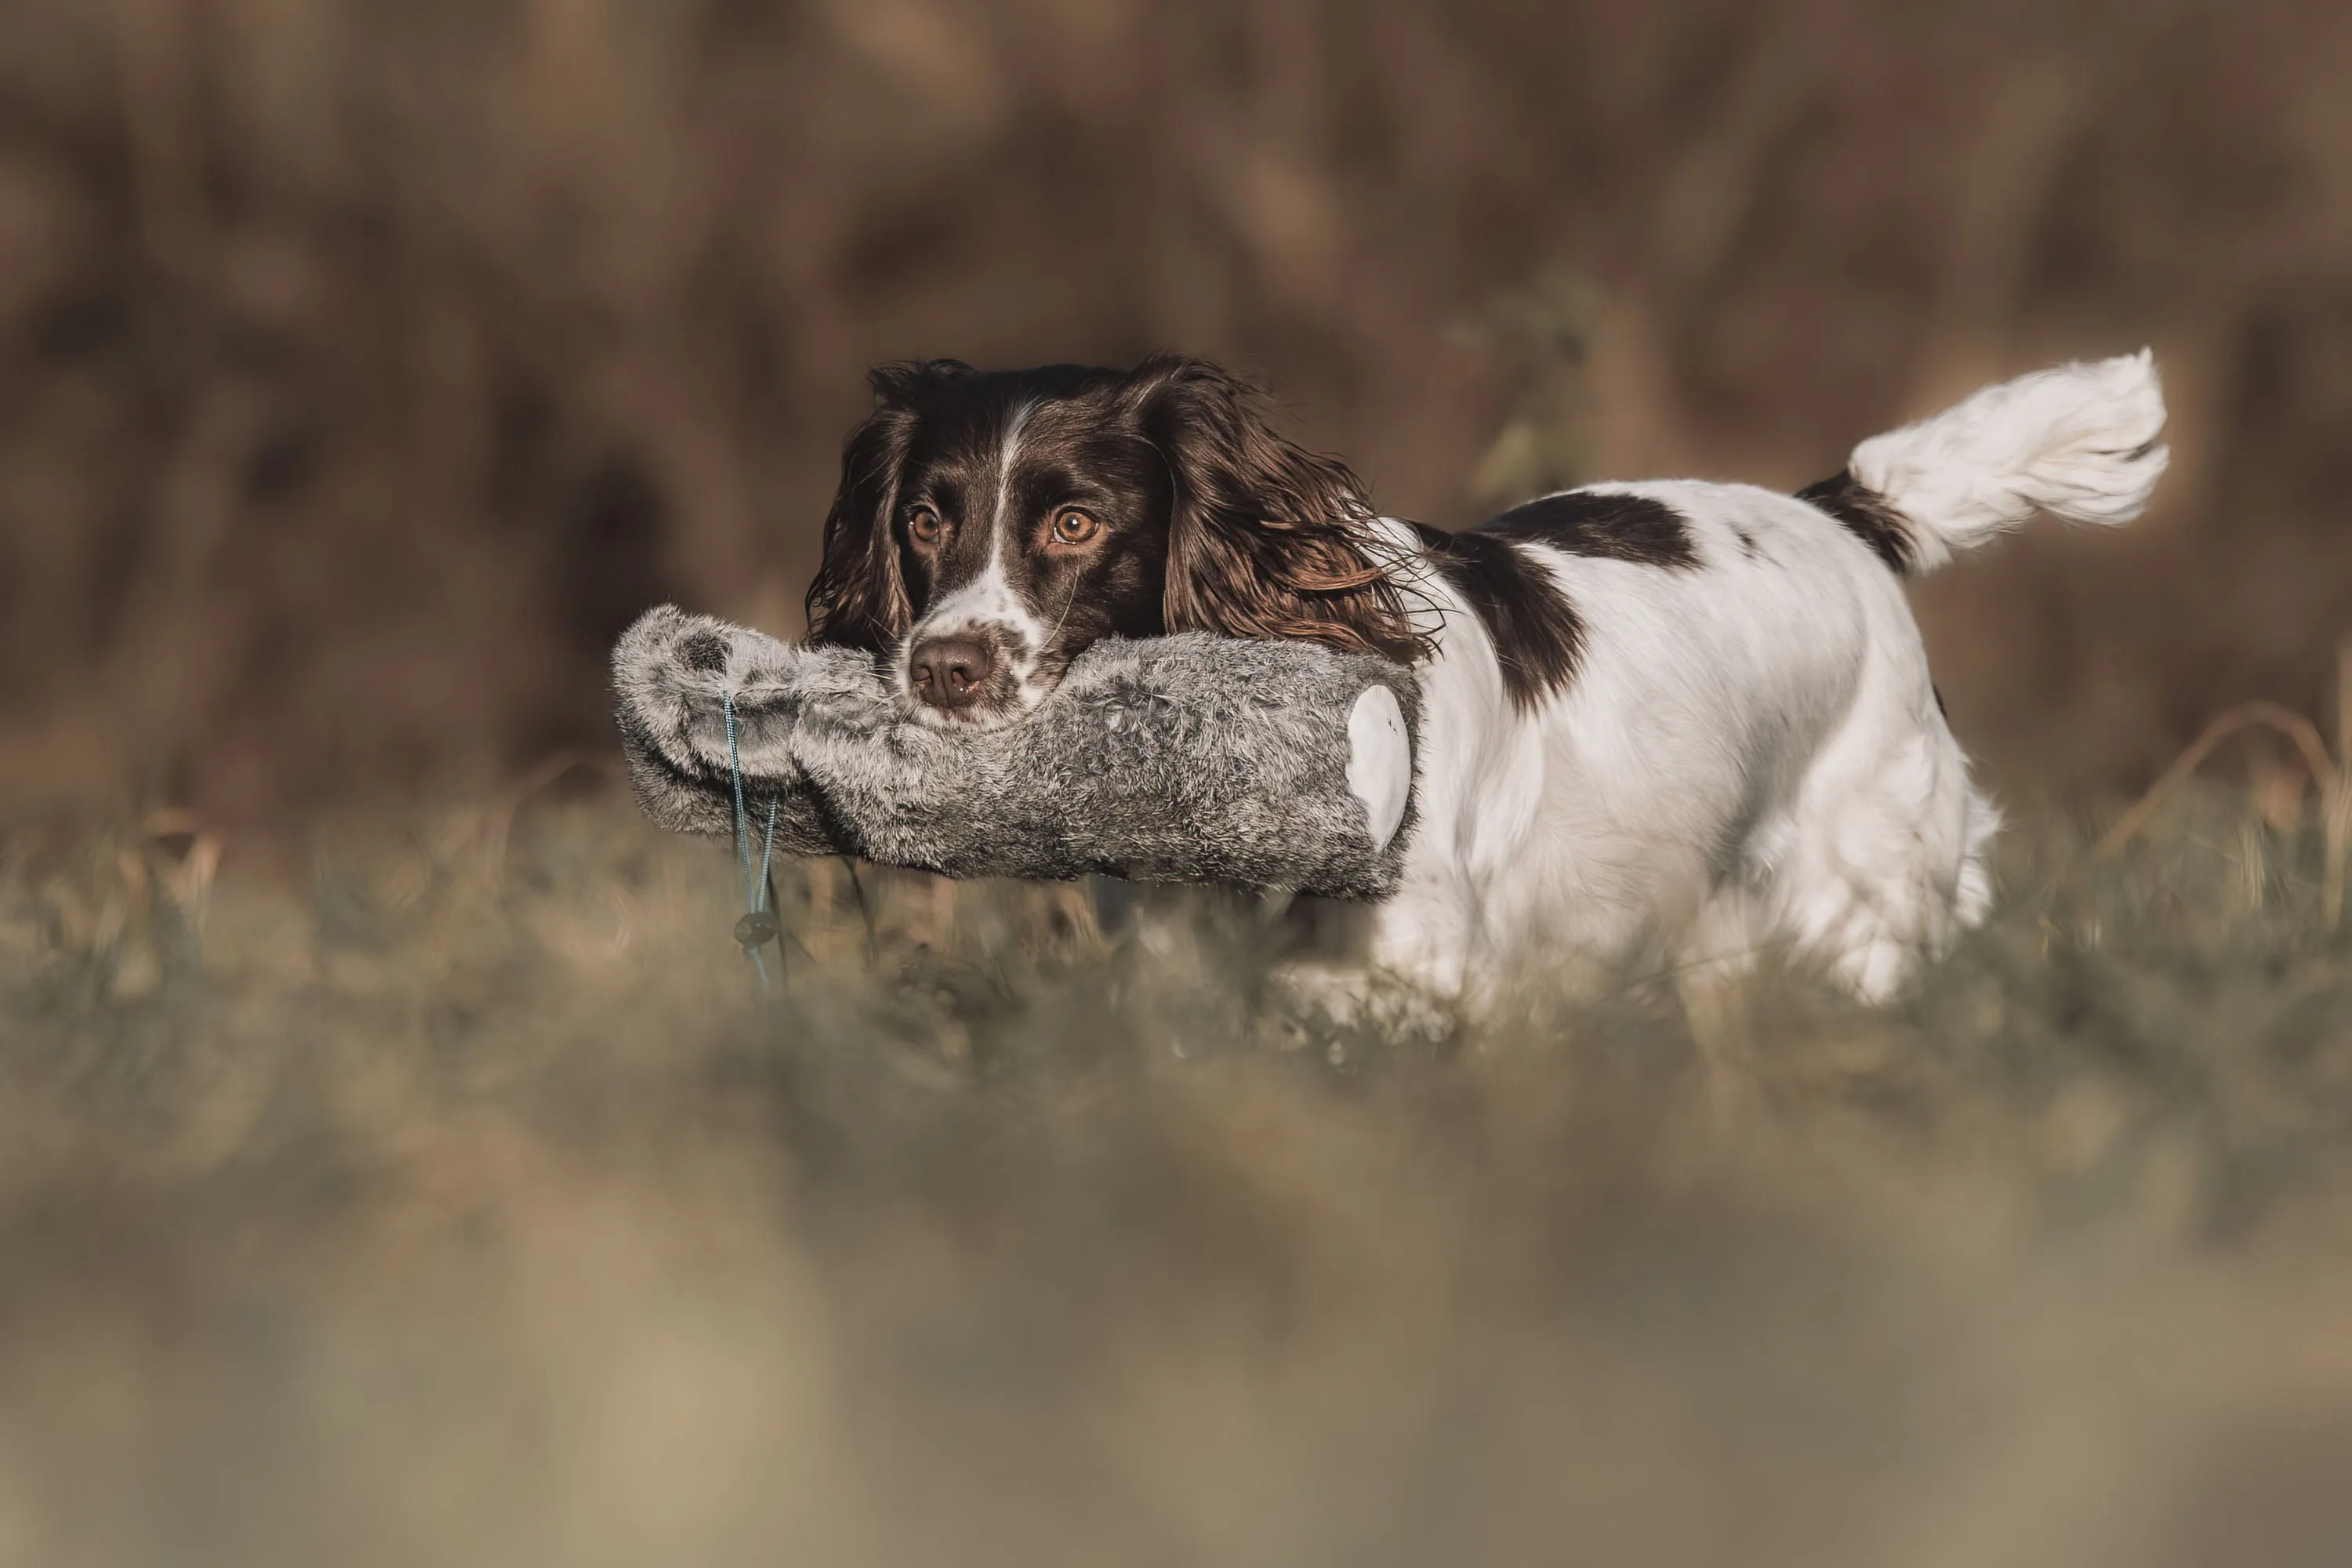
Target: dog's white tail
(2080, 441)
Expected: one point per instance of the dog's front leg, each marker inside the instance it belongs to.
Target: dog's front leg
(1396, 979)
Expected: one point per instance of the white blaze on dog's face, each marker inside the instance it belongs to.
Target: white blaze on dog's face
(1028, 527)
(992, 526)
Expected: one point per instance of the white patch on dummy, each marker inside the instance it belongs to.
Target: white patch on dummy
(1379, 762)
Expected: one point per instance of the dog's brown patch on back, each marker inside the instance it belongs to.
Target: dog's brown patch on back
(1868, 516)
(1609, 525)
(1537, 638)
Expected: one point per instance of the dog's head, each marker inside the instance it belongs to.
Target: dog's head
(990, 525)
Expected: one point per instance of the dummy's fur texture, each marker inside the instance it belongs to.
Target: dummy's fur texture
(1683, 717)
(1181, 759)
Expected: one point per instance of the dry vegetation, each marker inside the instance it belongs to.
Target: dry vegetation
(469, 1205)
(364, 366)
(398, 1182)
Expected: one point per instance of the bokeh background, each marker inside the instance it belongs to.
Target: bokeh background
(399, 1165)
(364, 367)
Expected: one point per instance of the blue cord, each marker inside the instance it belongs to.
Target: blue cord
(750, 931)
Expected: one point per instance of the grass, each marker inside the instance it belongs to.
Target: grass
(465, 1203)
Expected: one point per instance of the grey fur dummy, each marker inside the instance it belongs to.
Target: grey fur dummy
(1281, 765)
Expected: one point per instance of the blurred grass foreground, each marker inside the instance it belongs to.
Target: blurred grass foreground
(469, 1205)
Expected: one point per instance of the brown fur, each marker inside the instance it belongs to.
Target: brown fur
(1268, 539)
(1261, 538)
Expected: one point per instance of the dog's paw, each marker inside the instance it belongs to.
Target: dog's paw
(1346, 1013)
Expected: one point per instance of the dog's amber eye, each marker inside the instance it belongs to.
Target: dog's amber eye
(923, 525)
(1072, 526)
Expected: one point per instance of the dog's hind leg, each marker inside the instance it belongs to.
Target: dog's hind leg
(1715, 962)
(1887, 865)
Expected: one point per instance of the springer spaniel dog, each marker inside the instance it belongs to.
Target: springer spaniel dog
(1682, 717)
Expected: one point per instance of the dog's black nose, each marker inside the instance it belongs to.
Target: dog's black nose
(949, 672)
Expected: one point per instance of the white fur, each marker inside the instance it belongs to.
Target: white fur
(988, 602)
(1751, 754)
(2078, 441)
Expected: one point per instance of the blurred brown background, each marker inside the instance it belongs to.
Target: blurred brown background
(365, 366)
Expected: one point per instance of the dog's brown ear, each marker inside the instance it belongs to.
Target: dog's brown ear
(1266, 540)
(858, 598)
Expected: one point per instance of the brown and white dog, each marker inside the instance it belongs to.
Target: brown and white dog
(1686, 714)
